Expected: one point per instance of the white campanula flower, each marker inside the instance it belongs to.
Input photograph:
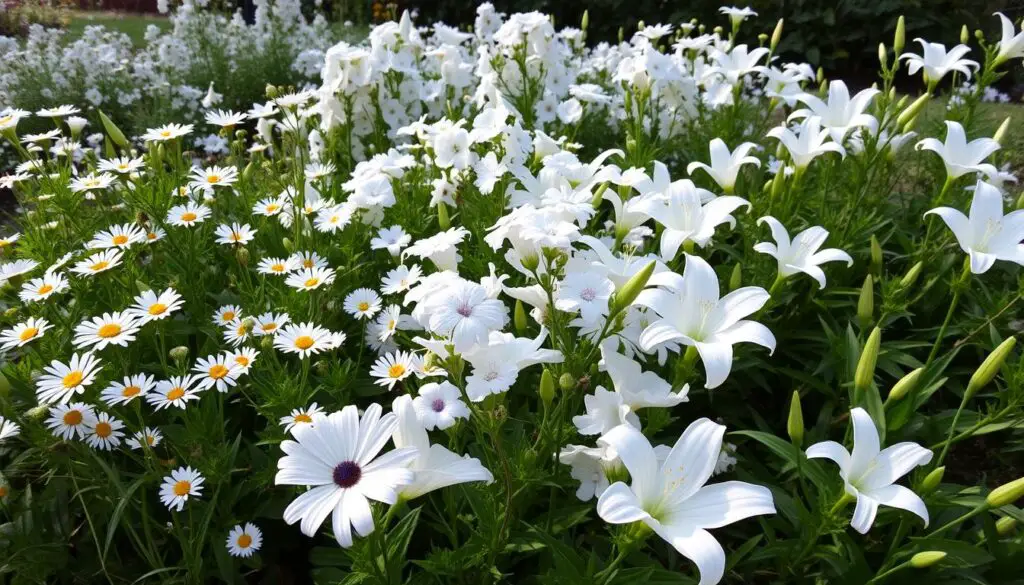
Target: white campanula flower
(244, 541)
(392, 239)
(497, 363)
(986, 235)
(937, 62)
(183, 483)
(802, 254)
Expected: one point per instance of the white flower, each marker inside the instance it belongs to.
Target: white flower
(936, 62)
(118, 236)
(362, 303)
(167, 132)
(807, 143)
(234, 234)
(451, 148)
(278, 266)
(244, 541)
(605, 411)
(801, 254)
(987, 235)
(960, 157)
(188, 214)
(736, 14)
(870, 473)
(591, 467)
(227, 314)
(150, 306)
(338, 458)
(400, 279)
(440, 248)
(694, 315)
(672, 499)
(136, 386)
(725, 165)
(223, 118)
(685, 219)
(310, 278)
(1011, 46)
(39, 289)
(392, 239)
(23, 333)
(496, 364)
(302, 416)
(179, 486)
(103, 432)
(11, 269)
(488, 171)
(392, 368)
(98, 262)
(585, 289)
(177, 392)
(639, 389)
(840, 114)
(61, 382)
(439, 405)
(466, 314)
(70, 420)
(8, 429)
(304, 339)
(151, 437)
(217, 371)
(110, 329)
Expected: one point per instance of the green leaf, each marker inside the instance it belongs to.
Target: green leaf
(399, 537)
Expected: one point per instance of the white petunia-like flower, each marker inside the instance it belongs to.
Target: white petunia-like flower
(132, 387)
(183, 483)
(302, 416)
(109, 329)
(439, 406)
(986, 235)
(870, 473)
(671, 497)
(591, 466)
(244, 541)
(497, 363)
(70, 420)
(466, 314)
(23, 333)
(639, 389)
(338, 458)
(959, 156)
(234, 234)
(802, 254)
(725, 166)
(98, 262)
(150, 306)
(362, 303)
(61, 382)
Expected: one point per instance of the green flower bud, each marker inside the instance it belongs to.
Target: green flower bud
(599, 195)
(321, 367)
(868, 358)
(586, 21)
(736, 278)
(795, 422)
(923, 560)
(38, 413)
(566, 382)
(866, 301)
(248, 171)
(1001, 131)
(519, 317)
(776, 35)
(1006, 494)
(288, 245)
(1020, 201)
(980, 35)
(767, 187)
(242, 255)
(912, 275)
(990, 367)
(965, 35)
(761, 39)
(622, 35)
(900, 37)
(179, 354)
(1006, 526)
(108, 148)
(883, 55)
(113, 131)
(247, 324)
(270, 91)
(442, 216)
(629, 291)
(913, 110)
(906, 385)
(932, 480)
(820, 75)
(876, 256)
(547, 387)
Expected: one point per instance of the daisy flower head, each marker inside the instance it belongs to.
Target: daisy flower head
(39, 289)
(16, 268)
(390, 321)
(177, 392)
(150, 306)
(319, 170)
(9, 240)
(217, 371)
(304, 339)
(103, 432)
(60, 382)
(110, 329)
(238, 331)
(207, 180)
(122, 165)
(338, 457)
(439, 405)
(225, 118)
(98, 262)
(118, 236)
(132, 387)
(308, 260)
(243, 358)
(392, 368)
(269, 207)
(302, 416)
(155, 234)
(8, 429)
(226, 315)
(61, 111)
(332, 219)
(69, 420)
(188, 214)
(400, 279)
(270, 323)
(278, 266)
(235, 233)
(310, 278)
(244, 541)
(362, 303)
(167, 132)
(149, 436)
(91, 182)
(23, 333)
(179, 486)
(392, 239)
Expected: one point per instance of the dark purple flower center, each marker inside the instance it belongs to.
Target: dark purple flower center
(588, 294)
(465, 310)
(347, 474)
(437, 405)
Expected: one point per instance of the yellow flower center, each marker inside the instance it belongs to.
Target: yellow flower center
(396, 371)
(28, 333)
(188, 216)
(131, 391)
(277, 267)
(120, 240)
(44, 289)
(304, 342)
(363, 306)
(73, 379)
(182, 488)
(157, 309)
(165, 133)
(228, 315)
(175, 393)
(217, 372)
(303, 418)
(72, 418)
(269, 327)
(312, 282)
(213, 179)
(236, 237)
(109, 330)
(3, 491)
(242, 360)
(99, 266)
(273, 207)
(150, 440)
(307, 263)
(244, 541)
(4, 243)
(151, 236)
(103, 430)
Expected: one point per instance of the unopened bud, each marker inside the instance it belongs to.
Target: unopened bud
(762, 39)
(932, 480)
(288, 245)
(795, 422)
(270, 91)
(883, 55)
(1006, 494)
(547, 387)
(866, 302)
(906, 385)
(248, 171)
(38, 413)
(629, 291)
(586, 21)
(113, 131)
(900, 38)
(868, 358)
(990, 367)
(519, 317)
(595, 202)
(776, 35)
(980, 35)
(1006, 526)
(913, 110)
(622, 35)
(876, 255)
(1001, 131)
(736, 278)
(965, 35)
(242, 255)
(179, 354)
(923, 560)
(442, 216)
(267, 342)
(566, 382)
(912, 275)
(247, 324)
(1020, 201)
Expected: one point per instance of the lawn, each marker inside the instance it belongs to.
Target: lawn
(133, 25)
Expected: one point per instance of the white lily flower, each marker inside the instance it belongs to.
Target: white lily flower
(937, 62)
(801, 254)
(605, 410)
(807, 142)
(960, 157)
(725, 165)
(639, 389)
(693, 314)
(840, 114)
(736, 63)
(685, 219)
(1011, 46)
(434, 467)
(671, 497)
(496, 364)
(987, 235)
(870, 473)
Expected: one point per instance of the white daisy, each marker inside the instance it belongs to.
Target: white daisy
(39, 289)
(302, 416)
(225, 119)
(68, 420)
(234, 234)
(269, 207)
(278, 266)
(216, 371)
(206, 180)
(103, 432)
(176, 391)
(151, 437)
(304, 339)
(61, 382)
(16, 268)
(270, 323)
(227, 314)
(122, 165)
(362, 303)
(244, 358)
(188, 215)
(9, 240)
(118, 236)
(238, 331)
(135, 386)
(310, 278)
(400, 279)
(179, 486)
(244, 541)
(9, 428)
(392, 239)
(308, 260)
(23, 333)
(391, 368)
(167, 132)
(110, 329)
(98, 262)
(91, 182)
(152, 307)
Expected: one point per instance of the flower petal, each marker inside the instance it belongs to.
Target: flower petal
(699, 546)
(637, 455)
(897, 496)
(865, 442)
(893, 463)
(720, 504)
(693, 458)
(619, 505)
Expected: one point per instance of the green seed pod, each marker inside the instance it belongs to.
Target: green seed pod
(868, 358)
(547, 387)
(519, 317)
(912, 275)
(179, 354)
(990, 367)
(906, 385)
(923, 560)
(795, 422)
(776, 35)
(629, 291)
(932, 480)
(736, 278)
(113, 131)
(566, 382)
(876, 256)
(1006, 526)
(1006, 494)
(866, 301)
(900, 38)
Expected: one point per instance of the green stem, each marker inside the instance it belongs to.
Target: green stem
(978, 510)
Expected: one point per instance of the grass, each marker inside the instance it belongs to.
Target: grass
(133, 25)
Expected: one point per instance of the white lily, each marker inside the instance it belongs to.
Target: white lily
(801, 254)
(937, 62)
(736, 63)
(685, 219)
(840, 114)
(807, 142)
(434, 467)
(987, 235)
(605, 410)
(959, 156)
(725, 165)
(870, 473)
(693, 314)
(496, 364)
(671, 497)
(1011, 46)
(639, 389)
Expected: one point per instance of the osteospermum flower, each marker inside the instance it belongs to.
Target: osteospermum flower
(244, 541)
(167, 132)
(61, 382)
(68, 420)
(234, 234)
(110, 329)
(151, 437)
(227, 314)
(310, 278)
(177, 392)
(270, 323)
(150, 306)
(302, 416)
(392, 368)
(243, 358)
(132, 387)
(179, 486)
(188, 215)
(8, 429)
(98, 262)
(278, 266)
(23, 333)
(362, 303)
(118, 236)
(304, 339)
(217, 371)
(103, 432)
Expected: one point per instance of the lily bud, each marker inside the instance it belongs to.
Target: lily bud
(1001, 131)
(965, 35)
(1006, 525)
(622, 35)
(547, 387)
(586, 21)
(913, 110)
(629, 291)
(923, 560)
(735, 279)
(566, 382)
(767, 187)
(990, 367)
(820, 75)
(900, 38)
(883, 55)
(868, 358)
(113, 131)
(933, 479)
(912, 275)
(108, 148)
(179, 354)
(1006, 494)
(776, 35)
(906, 385)
(795, 422)
(640, 25)
(866, 302)
(442, 216)
(876, 255)
(599, 195)
(519, 317)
